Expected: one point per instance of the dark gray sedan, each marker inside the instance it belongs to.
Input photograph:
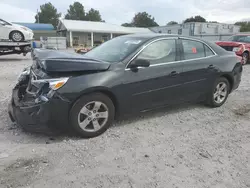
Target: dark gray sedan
(127, 74)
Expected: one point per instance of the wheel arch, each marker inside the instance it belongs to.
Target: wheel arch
(246, 51)
(16, 31)
(103, 90)
(230, 80)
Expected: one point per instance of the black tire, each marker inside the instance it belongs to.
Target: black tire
(245, 58)
(211, 100)
(13, 38)
(84, 100)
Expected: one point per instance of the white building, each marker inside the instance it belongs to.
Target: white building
(198, 28)
(90, 33)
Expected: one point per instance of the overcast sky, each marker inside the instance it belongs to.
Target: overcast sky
(120, 11)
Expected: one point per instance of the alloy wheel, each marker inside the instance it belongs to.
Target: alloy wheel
(17, 36)
(93, 116)
(220, 92)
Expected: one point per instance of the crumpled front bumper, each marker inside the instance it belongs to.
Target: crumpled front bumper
(32, 117)
(37, 115)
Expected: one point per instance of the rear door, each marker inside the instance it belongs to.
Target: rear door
(199, 70)
(2, 29)
(157, 85)
(5, 29)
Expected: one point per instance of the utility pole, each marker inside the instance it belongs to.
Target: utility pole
(38, 21)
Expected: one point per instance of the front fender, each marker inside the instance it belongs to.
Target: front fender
(97, 89)
(94, 89)
(100, 81)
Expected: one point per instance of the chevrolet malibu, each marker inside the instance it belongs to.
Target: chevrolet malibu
(128, 74)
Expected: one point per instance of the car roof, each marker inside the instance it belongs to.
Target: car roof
(150, 36)
(160, 35)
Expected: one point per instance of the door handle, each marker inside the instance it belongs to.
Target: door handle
(211, 67)
(174, 73)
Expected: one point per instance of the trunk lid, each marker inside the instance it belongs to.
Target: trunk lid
(229, 45)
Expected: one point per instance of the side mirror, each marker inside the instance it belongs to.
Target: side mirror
(139, 63)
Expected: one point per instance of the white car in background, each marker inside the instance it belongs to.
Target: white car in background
(14, 32)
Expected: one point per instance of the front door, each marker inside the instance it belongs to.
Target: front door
(157, 85)
(199, 72)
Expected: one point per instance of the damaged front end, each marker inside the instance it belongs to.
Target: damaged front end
(37, 101)
(35, 104)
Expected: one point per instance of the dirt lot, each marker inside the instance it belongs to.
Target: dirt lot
(186, 146)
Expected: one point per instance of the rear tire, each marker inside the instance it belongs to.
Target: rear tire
(92, 115)
(16, 36)
(219, 94)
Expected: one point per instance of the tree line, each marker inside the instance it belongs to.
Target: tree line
(49, 14)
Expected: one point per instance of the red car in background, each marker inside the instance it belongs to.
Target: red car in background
(240, 44)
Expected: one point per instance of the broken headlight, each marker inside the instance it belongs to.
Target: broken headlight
(54, 84)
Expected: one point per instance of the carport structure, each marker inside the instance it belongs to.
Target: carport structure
(90, 33)
(40, 29)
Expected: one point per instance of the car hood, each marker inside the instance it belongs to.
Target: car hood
(20, 27)
(229, 43)
(53, 61)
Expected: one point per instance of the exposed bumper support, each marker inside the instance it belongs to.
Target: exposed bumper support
(38, 114)
(32, 117)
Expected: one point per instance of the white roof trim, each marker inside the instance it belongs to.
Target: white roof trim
(99, 27)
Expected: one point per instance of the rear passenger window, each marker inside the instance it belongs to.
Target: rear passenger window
(193, 49)
(208, 51)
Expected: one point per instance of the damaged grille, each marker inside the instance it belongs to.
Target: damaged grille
(32, 88)
(39, 87)
(33, 75)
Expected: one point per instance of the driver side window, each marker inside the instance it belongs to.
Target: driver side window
(161, 51)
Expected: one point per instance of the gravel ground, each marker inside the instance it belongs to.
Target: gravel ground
(186, 146)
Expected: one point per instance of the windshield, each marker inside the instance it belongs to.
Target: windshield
(4, 22)
(117, 49)
(240, 38)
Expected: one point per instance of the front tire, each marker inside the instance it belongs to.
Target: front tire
(92, 115)
(219, 94)
(16, 36)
